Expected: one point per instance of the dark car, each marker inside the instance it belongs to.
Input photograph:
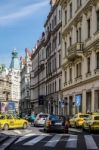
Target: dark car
(56, 123)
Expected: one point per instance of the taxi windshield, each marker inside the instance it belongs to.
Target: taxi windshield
(96, 118)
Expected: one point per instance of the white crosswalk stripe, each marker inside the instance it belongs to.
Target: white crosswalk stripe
(53, 141)
(35, 140)
(90, 142)
(25, 137)
(72, 141)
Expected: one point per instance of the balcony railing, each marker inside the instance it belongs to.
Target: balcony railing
(75, 50)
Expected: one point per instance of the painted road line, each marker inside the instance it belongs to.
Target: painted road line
(7, 143)
(53, 141)
(25, 137)
(35, 140)
(71, 141)
(90, 143)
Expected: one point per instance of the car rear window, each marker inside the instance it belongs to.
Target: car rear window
(96, 118)
(84, 116)
(43, 116)
(55, 117)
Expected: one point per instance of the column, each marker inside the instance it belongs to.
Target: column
(74, 111)
(84, 101)
(93, 100)
(67, 105)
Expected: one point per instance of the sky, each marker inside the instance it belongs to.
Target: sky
(21, 25)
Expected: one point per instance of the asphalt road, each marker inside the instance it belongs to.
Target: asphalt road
(35, 139)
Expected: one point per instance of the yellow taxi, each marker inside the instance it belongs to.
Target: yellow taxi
(78, 119)
(92, 123)
(8, 121)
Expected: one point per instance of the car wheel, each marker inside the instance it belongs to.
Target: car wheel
(90, 130)
(6, 127)
(24, 125)
(76, 125)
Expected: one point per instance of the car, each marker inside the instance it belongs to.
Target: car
(9, 121)
(56, 123)
(40, 119)
(78, 119)
(92, 123)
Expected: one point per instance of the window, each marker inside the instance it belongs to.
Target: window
(59, 14)
(65, 48)
(59, 59)
(65, 76)
(98, 60)
(78, 3)
(70, 10)
(59, 37)
(77, 35)
(59, 84)
(88, 27)
(65, 16)
(98, 20)
(70, 74)
(70, 41)
(88, 64)
(78, 70)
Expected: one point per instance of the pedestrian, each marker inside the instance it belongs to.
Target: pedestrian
(32, 118)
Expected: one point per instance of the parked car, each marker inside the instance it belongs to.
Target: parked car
(40, 119)
(92, 123)
(56, 123)
(78, 119)
(8, 121)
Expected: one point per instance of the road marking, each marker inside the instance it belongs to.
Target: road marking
(75, 130)
(90, 142)
(35, 140)
(72, 141)
(53, 141)
(7, 143)
(25, 137)
(17, 131)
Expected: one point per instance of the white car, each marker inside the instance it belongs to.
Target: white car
(40, 119)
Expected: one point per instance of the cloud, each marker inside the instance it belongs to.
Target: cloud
(21, 12)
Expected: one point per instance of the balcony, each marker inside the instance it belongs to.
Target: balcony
(75, 51)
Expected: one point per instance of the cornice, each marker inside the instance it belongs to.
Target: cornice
(80, 83)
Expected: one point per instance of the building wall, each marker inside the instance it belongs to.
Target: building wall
(38, 76)
(25, 101)
(80, 50)
(53, 58)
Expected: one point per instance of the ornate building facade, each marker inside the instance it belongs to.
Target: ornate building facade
(25, 69)
(53, 29)
(80, 55)
(38, 76)
(14, 75)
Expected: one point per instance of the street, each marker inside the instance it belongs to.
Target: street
(34, 138)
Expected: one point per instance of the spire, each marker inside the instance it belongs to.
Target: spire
(15, 64)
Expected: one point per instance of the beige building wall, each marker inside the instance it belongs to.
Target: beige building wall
(80, 55)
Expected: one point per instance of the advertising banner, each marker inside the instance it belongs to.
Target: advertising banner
(6, 107)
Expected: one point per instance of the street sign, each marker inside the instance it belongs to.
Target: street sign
(78, 100)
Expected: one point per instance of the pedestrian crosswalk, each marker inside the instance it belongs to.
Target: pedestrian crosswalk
(69, 141)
